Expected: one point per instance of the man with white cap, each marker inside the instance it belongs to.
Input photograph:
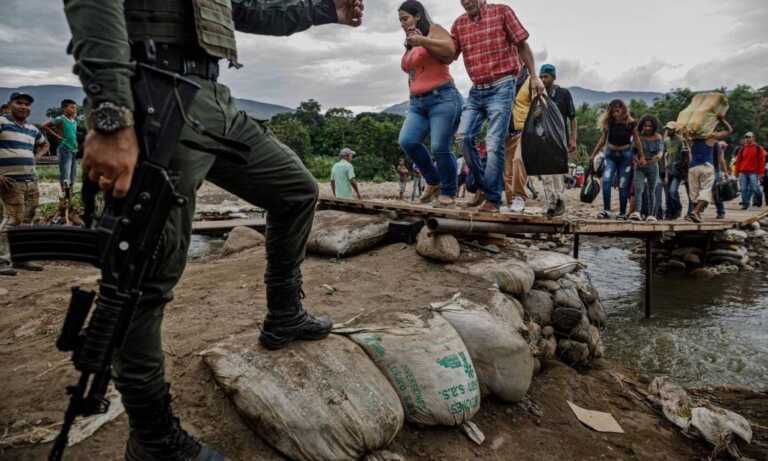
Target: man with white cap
(750, 166)
(343, 176)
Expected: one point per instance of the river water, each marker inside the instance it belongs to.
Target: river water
(709, 332)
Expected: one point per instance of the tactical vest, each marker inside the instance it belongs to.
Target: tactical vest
(206, 23)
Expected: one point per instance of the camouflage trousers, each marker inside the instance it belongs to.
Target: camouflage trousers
(19, 207)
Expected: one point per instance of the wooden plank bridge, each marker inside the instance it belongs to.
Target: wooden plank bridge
(469, 221)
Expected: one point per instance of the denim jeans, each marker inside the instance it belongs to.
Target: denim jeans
(495, 105)
(649, 174)
(437, 113)
(674, 205)
(617, 162)
(67, 167)
(749, 183)
(719, 204)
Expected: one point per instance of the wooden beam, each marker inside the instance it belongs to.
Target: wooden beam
(224, 226)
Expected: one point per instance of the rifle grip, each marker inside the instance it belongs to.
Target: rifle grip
(102, 334)
(79, 306)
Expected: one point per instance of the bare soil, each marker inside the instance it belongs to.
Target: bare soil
(219, 297)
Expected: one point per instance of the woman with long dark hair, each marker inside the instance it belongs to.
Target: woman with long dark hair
(619, 133)
(435, 103)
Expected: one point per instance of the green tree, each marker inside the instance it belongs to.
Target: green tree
(294, 134)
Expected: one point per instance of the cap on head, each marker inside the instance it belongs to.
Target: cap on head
(21, 95)
(346, 153)
(548, 69)
(671, 126)
(749, 135)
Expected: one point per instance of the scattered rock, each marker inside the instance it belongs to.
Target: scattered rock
(539, 305)
(438, 247)
(242, 238)
(497, 443)
(515, 277)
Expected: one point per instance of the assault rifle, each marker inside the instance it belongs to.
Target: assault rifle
(124, 244)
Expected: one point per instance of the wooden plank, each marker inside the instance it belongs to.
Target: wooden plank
(224, 226)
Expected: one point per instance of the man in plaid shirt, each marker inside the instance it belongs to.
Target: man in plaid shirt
(493, 42)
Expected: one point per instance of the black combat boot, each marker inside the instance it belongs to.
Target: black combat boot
(287, 320)
(156, 435)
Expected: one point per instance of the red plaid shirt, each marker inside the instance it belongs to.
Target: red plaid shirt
(489, 43)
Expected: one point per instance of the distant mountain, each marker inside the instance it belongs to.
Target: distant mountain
(580, 96)
(47, 96)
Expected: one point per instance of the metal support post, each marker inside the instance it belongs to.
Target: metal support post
(576, 243)
(648, 276)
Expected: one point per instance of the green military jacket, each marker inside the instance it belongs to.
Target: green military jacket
(102, 52)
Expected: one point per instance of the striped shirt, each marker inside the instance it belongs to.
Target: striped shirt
(17, 149)
(489, 43)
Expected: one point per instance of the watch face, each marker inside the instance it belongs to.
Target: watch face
(107, 119)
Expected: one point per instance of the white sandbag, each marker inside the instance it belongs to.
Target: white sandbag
(427, 363)
(242, 238)
(509, 310)
(502, 358)
(314, 401)
(515, 277)
(438, 247)
(551, 266)
(339, 234)
(718, 425)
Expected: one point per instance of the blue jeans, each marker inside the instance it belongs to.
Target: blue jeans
(67, 167)
(495, 105)
(674, 205)
(436, 113)
(749, 183)
(617, 162)
(649, 174)
(719, 204)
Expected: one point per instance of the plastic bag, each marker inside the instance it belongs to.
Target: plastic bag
(545, 150)
(727, 189)
(591, 188)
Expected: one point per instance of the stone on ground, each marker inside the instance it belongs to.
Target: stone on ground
(312, 401)
(240, 239)
(438, 247)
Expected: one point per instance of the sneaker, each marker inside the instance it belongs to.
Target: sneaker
(604, 215)
(28, 267)
(443, 201)
(8, 271)
(635, 217)
(557, 210)
(651, 219)
(693, 217)
(621, 217)
(430, 192)
(488, 207)
(517, 205)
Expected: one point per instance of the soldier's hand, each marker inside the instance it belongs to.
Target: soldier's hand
(110, 159)
(350, 12)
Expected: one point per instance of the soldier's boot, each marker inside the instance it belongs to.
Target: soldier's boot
(156, 435)
(288, 321)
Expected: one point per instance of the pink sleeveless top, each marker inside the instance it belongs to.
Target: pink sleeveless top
(425, 72)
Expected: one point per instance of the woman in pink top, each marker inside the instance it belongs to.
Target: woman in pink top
(435, 104)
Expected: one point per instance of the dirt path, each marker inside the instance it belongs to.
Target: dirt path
(222, 297)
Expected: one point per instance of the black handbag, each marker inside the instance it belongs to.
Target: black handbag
(727, 189)
(591, 188)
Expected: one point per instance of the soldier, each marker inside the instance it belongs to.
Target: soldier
(190, 37)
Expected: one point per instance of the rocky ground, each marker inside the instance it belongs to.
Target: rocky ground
(219, 297)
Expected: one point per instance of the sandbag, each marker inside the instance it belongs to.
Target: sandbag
(699, 119)
(438, 247)
(551, 266)
(339, 234)
(313, 401)
(508, 310)
(428, 365)
(515, 277)
(544, 148)
(502, 358)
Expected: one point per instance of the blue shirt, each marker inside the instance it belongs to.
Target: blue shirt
(17, 149)
(701, 153)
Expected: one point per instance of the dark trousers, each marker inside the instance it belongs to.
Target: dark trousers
(273, 178)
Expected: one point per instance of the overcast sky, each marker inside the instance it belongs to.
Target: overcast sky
(598, 44)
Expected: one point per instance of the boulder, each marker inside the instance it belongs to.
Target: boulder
(438, 247)
(515, 277)
(568, 297)
(242, 238)
(551, 266)
(573, 352)
(539, 305)
(338, 234)
(313, 401)
(597, 315)
(565, 319)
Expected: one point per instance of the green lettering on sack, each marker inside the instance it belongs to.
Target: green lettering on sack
(451, 361)
(416, 391)
(468, 368)
(374, 342)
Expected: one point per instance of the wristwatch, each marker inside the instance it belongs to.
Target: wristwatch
(107, 118)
